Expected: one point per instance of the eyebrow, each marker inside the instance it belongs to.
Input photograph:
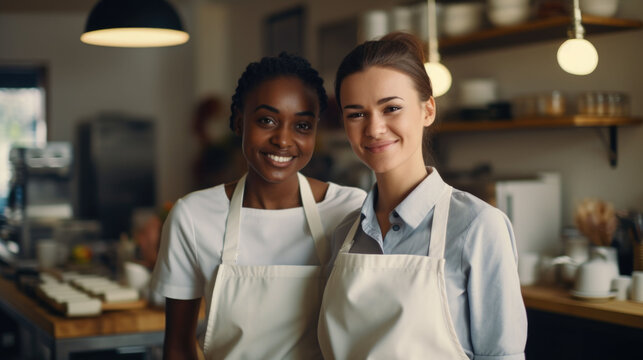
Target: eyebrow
(267, 107)
(379, 102)
(274, 110)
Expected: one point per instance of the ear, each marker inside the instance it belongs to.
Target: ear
(428, 111)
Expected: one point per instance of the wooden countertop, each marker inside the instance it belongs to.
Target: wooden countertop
(108, 323)
(550, 299)
(558, 300)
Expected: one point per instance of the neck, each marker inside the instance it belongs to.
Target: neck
(395, 185)
(261, 194)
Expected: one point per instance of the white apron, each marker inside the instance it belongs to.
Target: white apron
(390, 306)
(265, 312)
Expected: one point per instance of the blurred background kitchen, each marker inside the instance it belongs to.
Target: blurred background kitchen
(97, 143)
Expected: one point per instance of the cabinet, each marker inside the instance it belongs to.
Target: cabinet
(530, 32)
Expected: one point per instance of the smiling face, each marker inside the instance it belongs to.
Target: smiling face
(278, 126)
(384, 118)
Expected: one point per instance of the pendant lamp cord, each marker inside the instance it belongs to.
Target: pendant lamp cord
(576, 31)
(434, 55)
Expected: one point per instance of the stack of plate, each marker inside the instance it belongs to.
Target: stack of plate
(68, 300)
(74, 294)
(105, 289)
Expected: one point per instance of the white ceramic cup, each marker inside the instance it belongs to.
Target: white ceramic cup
(47, 253)
(636, 287)
(528, 268)
(595, 277)
(621, 285)
(136, 275)
(599, 7)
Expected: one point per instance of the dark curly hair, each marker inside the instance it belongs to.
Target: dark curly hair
(269, 68)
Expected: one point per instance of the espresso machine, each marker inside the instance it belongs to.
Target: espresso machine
(39, 197)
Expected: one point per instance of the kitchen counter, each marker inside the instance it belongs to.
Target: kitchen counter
(559, 301)
(63, 336)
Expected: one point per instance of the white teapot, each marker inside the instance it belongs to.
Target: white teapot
(594, 277)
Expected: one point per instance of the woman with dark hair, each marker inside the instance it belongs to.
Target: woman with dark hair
(254, 248)
(422, 270)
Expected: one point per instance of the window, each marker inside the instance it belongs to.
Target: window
(22, 115)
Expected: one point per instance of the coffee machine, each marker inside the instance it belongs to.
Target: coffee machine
(39, 197)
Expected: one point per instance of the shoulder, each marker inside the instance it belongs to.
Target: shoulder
(338, 193)
(319, 188)
(340, 203)
(207, 201)
(486, 231)
(469, 210)
(329, 191)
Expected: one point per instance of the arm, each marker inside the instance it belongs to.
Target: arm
(498, 321)
(180, 328)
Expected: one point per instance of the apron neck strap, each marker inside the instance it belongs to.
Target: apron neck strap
(439, 225)
(231, 235)
(232, 230)
(314, 220)
(350, 237)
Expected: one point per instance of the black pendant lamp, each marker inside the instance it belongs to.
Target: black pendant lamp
(134, 23)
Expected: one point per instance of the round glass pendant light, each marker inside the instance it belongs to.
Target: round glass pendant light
(438, 73)
(134, 23)
(576, 55)
(440, 77)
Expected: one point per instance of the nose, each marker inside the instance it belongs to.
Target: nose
(375, 126)
(281, 137)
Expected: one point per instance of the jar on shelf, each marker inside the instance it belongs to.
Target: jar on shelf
(525, 106)
(551, 104)
(603, 103)
(618, 104)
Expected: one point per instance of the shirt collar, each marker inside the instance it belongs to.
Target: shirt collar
(414, 208)
(369, 220)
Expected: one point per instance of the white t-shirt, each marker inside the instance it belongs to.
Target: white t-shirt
(192, 238)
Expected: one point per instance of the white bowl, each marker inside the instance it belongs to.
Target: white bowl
(599, 7)
(461, 18)
(477, 92)
(508, 15)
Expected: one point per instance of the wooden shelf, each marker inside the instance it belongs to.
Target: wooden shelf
(574, 121)
(529, 32)
(535, 122)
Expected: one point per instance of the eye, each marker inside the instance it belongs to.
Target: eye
(304, 126)
(266, 121)
(392, 108)
(355, 115)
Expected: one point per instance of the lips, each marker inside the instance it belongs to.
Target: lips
(379, 146)
(279, 160)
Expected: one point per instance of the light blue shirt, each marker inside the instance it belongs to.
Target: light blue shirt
(483, 290)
